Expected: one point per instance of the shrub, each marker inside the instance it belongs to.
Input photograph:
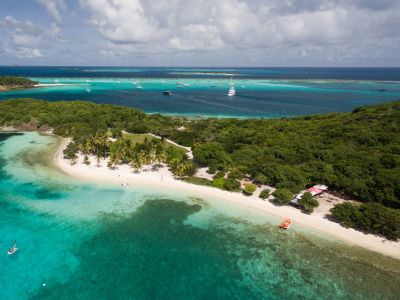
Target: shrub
(211, 169)
(249, 189)
(282, 196)
(219, 174)
(86, 160)
(308, 202)
(264, 194)
(198, 181)
(219, 183)
(232, 185)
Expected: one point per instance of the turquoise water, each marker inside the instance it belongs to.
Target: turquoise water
(203, 92)
(86, 241)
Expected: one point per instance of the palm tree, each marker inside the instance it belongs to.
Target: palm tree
(117, 152)
(89, 147)
(160, 152)
(181, 165)
(70, 131)
(95, 144)
(137, 161)
(82, 148)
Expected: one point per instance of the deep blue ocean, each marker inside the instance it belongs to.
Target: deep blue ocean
(260, 92)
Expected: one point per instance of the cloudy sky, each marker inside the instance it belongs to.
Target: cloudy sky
(200, 32)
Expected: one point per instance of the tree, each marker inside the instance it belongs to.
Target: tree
(137, 160)
(160, 153)
(249, 189)
(370, 217)
(211, 153)
(235, 174)
(71, 152)
(264, 194)
(308, 202)
(181, 166)
(282, 196)
(219, 174)
(232, 185)
(261, 178)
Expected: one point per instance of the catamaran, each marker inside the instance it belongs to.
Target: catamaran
(232, 91)
(13, 249)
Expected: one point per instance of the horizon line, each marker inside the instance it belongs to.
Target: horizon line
(204, 67)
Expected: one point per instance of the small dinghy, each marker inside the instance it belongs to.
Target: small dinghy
(13, 249)
(286, 224)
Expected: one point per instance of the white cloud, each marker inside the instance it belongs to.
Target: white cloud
(224, 32)
(123, 21)
(26, 39)
(191, 25)
(54, 8)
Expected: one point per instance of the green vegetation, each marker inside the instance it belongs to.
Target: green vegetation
(264, 194)
(228, 184)
(10, 82)
(219, 183)
(371, 217)
(249, 189)
(308, 202)
(219, 174)
(355, 153)
(282, 196)
(140, 137)
(198, 181)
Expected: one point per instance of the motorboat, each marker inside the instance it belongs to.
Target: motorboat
(167, 93)
(286, 224)
(12, 250)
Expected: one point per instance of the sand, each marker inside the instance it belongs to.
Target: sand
(163, 178)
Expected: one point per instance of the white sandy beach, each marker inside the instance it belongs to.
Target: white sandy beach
(163, 178)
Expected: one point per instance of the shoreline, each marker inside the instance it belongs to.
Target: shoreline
(163, 178)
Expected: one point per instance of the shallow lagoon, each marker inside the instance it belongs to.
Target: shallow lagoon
(260, 92)
(85, 241)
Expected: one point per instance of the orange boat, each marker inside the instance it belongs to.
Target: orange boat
(285, 224)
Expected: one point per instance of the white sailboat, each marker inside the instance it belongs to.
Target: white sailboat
(87, 86)
(138, 86)
(13, 249)
(232, 91)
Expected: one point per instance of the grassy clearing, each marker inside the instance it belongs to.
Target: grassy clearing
(139, 138)
(198, 181)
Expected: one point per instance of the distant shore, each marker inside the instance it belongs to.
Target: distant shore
(163, 178)
(4, 88)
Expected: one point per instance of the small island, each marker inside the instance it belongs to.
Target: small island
(355, 154)
(12, 83)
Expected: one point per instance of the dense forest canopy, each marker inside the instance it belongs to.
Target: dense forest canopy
(16, 82)
(356, 153)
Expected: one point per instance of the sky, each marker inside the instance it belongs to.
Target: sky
(259, 33)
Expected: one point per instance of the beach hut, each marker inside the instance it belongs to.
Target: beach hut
(315, 191)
